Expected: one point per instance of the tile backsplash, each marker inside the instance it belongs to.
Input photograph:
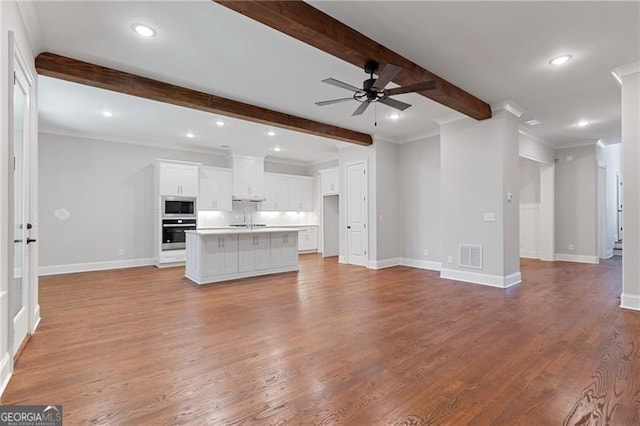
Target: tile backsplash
(211, 219)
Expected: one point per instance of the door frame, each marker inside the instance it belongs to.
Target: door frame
(346, 209)
(601, 177)
(18, 64)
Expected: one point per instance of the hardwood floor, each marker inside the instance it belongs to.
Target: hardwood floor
(335, 344)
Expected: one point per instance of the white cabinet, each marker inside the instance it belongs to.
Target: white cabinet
(214, 189)
(248, 177)
(254, 252)
(300, 193)
(276, 193)
(330, 179)
(284, 249)
(178, 179)
(221, 253)
(308, 239)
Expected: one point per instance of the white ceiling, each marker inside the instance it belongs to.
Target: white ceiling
(496, 51)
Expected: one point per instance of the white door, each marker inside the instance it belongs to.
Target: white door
(19, 226)
(357, 214)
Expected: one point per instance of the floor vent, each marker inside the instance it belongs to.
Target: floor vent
(470, 256)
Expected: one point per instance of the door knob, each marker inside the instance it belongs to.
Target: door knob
(31, 240)
(17, 241)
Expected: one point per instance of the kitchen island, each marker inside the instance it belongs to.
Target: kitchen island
(214, 255)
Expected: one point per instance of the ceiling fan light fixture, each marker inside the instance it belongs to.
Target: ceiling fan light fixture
(143, 30)
(560, 60)
(395, 116)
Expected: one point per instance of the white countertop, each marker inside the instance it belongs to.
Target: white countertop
(227, 231)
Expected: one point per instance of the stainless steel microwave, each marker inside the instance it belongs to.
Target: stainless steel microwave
(179, 207)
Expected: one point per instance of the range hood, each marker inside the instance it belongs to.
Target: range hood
(253, 199)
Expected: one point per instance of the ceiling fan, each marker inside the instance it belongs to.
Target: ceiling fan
(373, 89)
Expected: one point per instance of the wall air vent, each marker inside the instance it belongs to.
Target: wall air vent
(470, 256)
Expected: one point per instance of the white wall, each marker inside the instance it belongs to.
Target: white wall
(630, 77)
(529, 208)
(533, 148)
(11, 20)
(576, 210)
(419, 201)
(479, 163)
(386, 201)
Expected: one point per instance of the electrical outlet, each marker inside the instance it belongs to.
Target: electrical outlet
(450, 259)
(570, 246)
(425, 252)
(120, 252)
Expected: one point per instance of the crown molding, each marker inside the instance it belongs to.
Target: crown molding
(420, 137)
(626, 70)
(533, 135)
(455, 116)
(509, 106)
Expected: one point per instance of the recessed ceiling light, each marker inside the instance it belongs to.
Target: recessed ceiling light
(560, 60)
(143, 30)
(107, 113)
(191, 135)
(219, 123)
(271, 133)
(582, 123)
(533, 122)
(224, 146)
(276, 149)
(394, 116)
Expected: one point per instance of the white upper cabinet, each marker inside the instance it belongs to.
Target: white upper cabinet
(248, 177)
(287, 193)
(214, 189)
(300, 193)
(276, 193)
(178, 179)
(330, 179)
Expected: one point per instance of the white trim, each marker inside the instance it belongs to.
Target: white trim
(450, 118)
(609, 253)
(5, 371)
(94, 266)
(630, 301)
(533, 135)
(419, 137)
(421, 264)
(36, 319)
(191, 163)
(342, 259)
(576, 145)
(287, 161)
(529, 254)
(508, 106)
(484, 279)
(386, 263)
(626, 70)
(576, 258)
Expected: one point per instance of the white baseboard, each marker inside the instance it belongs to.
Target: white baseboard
(342, 259)
(630, 301)
(529, 254)
(577, 258)
(94, 266)
(36, 319)
(5, 372)
(421, 264)
(484, 279)
(609, 254)
(386, 263)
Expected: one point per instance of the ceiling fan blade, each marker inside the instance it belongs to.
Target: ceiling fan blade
(338, 83)
(363, 106)
(386, 76)
(393, 103)
(334, 101)
(418, 87)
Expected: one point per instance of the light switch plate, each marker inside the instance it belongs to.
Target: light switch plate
(489, 217)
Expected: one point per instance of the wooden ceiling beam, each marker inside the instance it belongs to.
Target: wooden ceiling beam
(309, 25)
(76, 71)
